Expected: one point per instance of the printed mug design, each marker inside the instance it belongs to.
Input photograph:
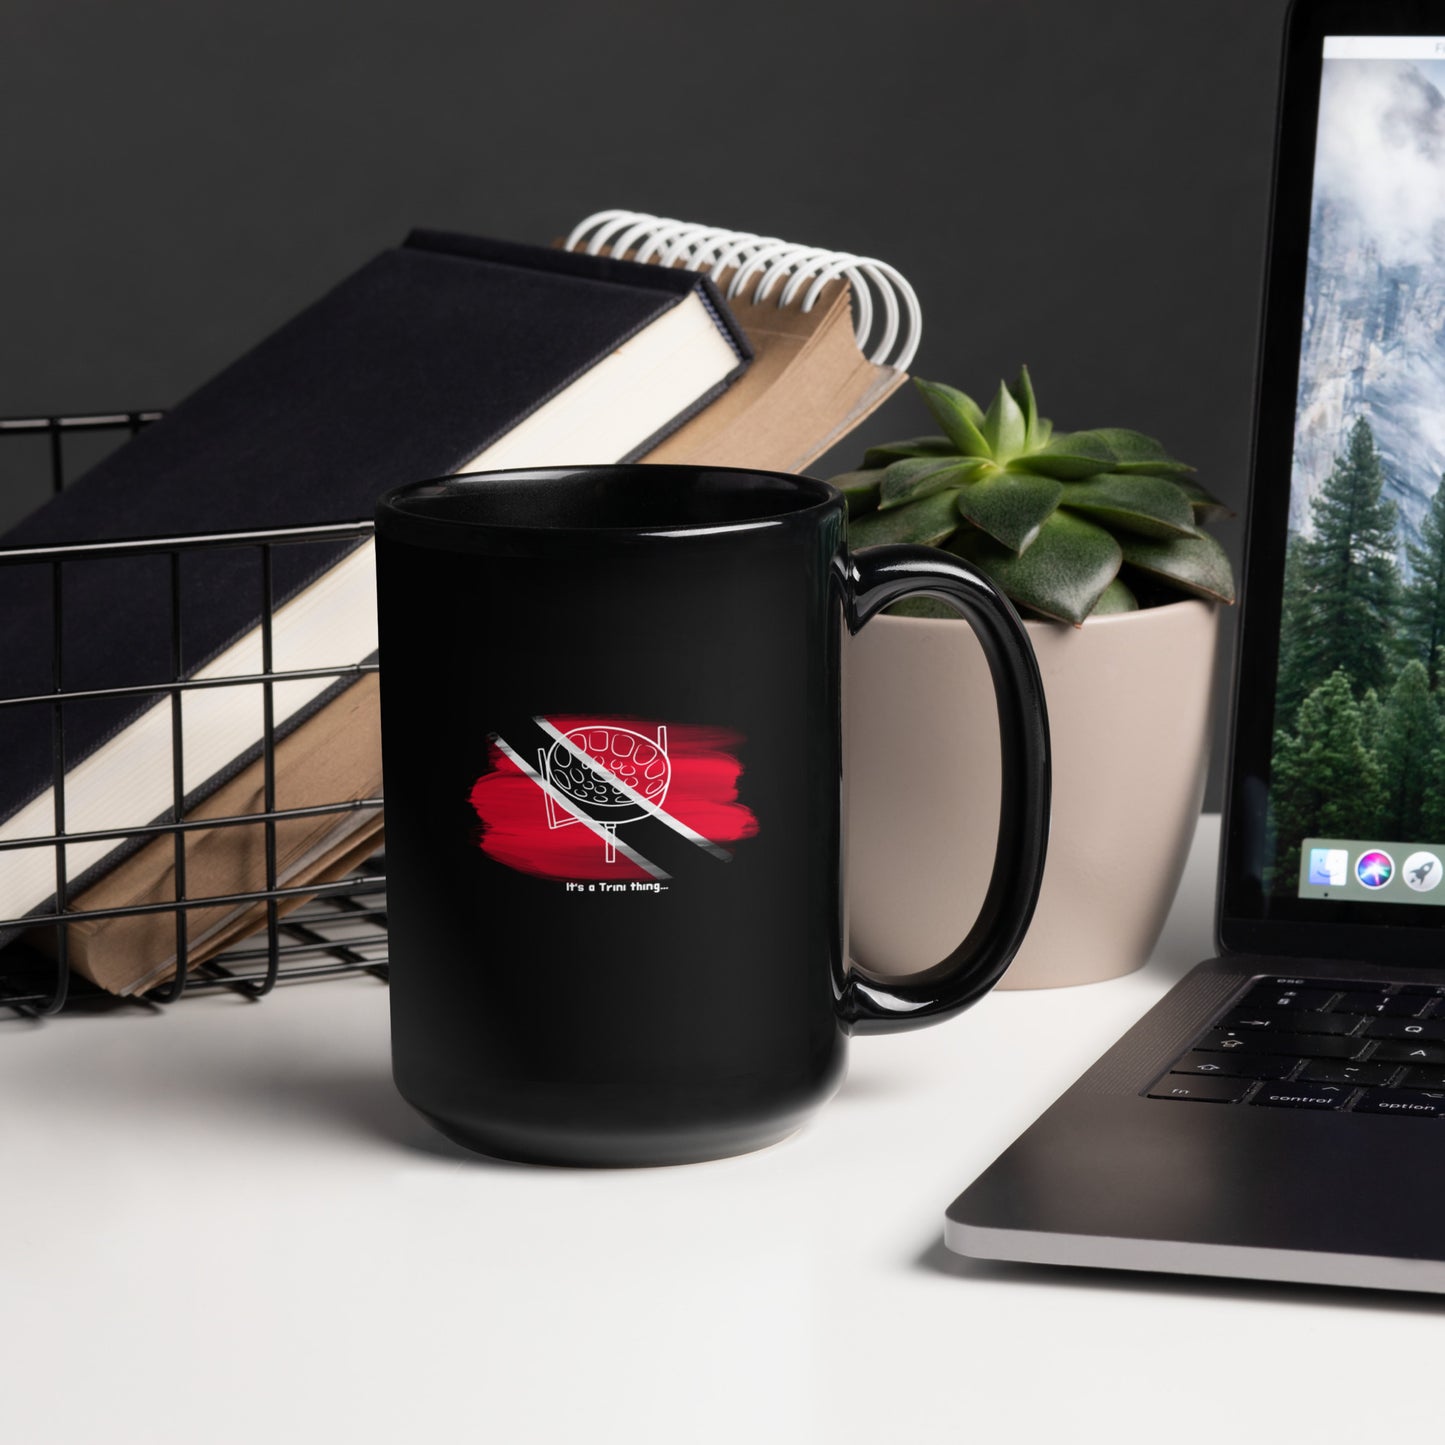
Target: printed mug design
(616, 772)
(559, 818)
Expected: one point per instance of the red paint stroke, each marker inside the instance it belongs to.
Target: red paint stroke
(702, 792)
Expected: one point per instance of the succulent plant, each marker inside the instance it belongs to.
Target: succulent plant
(1069, 525)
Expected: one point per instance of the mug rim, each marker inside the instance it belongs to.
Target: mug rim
(398, 515)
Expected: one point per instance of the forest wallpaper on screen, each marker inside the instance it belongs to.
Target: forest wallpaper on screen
(1359, 716)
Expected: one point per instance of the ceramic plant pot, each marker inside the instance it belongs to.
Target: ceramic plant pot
(1129, 714)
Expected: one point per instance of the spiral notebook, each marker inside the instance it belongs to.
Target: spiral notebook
(832, 335)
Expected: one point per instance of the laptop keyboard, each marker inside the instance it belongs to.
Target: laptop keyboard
(1298, 1043)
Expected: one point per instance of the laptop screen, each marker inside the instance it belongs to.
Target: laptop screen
(1356, 792)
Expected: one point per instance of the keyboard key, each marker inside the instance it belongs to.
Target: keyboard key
(1272, 995)
(1269, 1041)
(1426, 1032)
(1379, 1004)
(1325, 1071)
(1419, 1078)
(1404, 1006)
(1209, 1091)
(1404, 1052)
(1236, 1066)
(1291, 1021)
(1421, 1104)
(1423, 990)
(1303, 1096)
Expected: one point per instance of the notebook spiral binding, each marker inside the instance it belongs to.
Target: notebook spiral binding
(768, 264)
(341, 930)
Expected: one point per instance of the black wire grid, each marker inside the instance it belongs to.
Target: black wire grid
(341, 931)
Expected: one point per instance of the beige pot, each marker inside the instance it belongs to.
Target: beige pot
(1129, 715)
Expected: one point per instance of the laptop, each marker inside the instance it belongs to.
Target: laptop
(1280, 1114)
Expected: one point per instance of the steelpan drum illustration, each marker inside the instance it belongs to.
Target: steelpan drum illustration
(583, 764)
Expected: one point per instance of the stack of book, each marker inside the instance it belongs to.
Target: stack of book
(636, 339)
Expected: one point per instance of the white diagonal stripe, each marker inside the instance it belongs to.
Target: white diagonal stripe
(631, 854)
(633, 796)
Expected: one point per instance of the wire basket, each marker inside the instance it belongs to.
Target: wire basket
(340, 931)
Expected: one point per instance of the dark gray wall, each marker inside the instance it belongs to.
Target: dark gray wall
(1079, 184)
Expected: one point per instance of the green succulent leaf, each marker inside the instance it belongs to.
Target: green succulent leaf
(1043, 430)
(1010, 506)
(1063, 574)
(1193, 564)
(915, 477)
(927, 522)
(1004, 427)
(1135, 452)
(1207, 507)
(880, 456)
(1116, 597)
(955, 398)
(1153, 506)
(922, 607)
(1023, 393)
(860, 489)
(1075, 455)
(957, 414)
(1070, 456)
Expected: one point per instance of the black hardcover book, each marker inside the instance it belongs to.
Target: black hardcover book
(443, 353)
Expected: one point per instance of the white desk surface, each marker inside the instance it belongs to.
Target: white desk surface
(220, 1224)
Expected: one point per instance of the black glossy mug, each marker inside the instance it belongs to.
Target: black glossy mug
(611, 742)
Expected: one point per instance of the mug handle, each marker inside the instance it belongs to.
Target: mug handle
(875, 578)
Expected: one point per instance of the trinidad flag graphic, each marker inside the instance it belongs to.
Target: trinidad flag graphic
(561, 808)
